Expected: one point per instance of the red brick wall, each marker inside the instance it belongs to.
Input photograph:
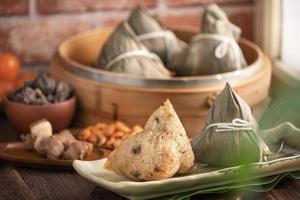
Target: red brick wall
(33, 29)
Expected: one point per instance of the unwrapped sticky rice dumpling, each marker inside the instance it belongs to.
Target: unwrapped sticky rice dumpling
(124, 53)
(214, 50)
(154, 36)
(162, 150)
(230, 136)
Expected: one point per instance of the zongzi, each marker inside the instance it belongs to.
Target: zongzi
(214, 50)
(124, 53)
(162, 150)
(215, 21)
(230, 136)
(154, 36)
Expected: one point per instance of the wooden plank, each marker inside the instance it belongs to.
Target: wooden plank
(7, 132)
(12, 186)
(103, 194)
(100, 193)
(56, 184)
(287, 189)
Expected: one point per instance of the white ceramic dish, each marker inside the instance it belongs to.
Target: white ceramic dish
(96, 172)
(205, 177)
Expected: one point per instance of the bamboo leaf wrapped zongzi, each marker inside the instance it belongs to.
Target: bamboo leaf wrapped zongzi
(154, 36)
(230, 136)
(124, 53)
(214, 50)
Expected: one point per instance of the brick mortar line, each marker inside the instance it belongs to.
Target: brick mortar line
(226, 8)
(161, 5)
(107, 14)
(66, 15)
(32, 13)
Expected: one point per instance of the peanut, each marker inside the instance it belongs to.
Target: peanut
(93, 139)
(136, 129)
(122, 127)
(109, 135)
(100, 125)
(119, 134)
(90, 149)
(117, 143)
(85, 134)
(110, 142)
(109, 130)
(102, 140)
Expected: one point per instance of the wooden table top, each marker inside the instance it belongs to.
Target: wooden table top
(32, 183)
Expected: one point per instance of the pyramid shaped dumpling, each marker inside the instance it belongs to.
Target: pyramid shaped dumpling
(154, 35)
(162, 150)
(214, 50)
(124, 53)
(230, 135)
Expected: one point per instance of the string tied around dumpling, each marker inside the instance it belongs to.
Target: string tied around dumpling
(170, 39)
(223, 47)
(128, 54)
(237, 124)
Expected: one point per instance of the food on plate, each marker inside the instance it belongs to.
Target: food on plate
(162, 150)
(43, 90)
(214, 50)
(62, 145)
(9, 67)
(124, 53)
(108, 135)
(39, 131)
(78, 150)
(56, 145)
(230, 135)
(154, 36)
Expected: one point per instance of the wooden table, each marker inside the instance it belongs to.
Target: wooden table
(32, 183)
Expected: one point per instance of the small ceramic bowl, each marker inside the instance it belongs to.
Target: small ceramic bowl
(22, 115)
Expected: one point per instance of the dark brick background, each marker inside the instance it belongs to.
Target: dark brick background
(33, 29)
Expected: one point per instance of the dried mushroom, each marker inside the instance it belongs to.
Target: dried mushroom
(45, 83)
(43, 90)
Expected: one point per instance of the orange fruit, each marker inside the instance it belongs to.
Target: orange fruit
(9, 67)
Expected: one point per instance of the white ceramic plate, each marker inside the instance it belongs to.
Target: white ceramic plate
(205, 177)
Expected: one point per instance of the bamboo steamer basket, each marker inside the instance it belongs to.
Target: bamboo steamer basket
(105, 96)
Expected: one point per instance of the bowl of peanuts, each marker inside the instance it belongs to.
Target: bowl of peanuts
(106, 135)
